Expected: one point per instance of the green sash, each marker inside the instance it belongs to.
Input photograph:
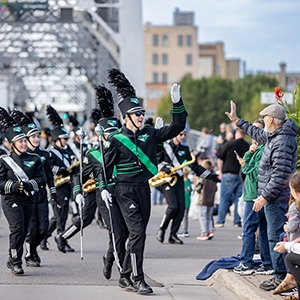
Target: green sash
(141, 155)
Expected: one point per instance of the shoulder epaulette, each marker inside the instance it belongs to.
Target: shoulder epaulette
(92, 149)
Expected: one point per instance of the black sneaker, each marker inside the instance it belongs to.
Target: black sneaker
(173, 239)
(68, 247)
(262, 270)
(43, 244)
(36, 257)
(270, 284)
(126, 284)
(243, 270)
(142, 287)
(31, 262)
(61, 243)
(15, 269)
(107, 268)
(160, 236)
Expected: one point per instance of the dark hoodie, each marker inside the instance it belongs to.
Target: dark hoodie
(278, 160)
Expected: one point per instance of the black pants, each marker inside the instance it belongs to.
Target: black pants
(60, 215)
(134, 201)
(88, 214)
(18, 214)
(176, 204)
(292, 261)
(119, 228)
(39, 222)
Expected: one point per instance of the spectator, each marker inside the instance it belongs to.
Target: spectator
(231, 184)
(206, 190)
(253, 220)
(205, 144)
(277, 163)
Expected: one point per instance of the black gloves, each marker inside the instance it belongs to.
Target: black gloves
(213, 177)
(27, 186)
(15, 187)
(166, 169)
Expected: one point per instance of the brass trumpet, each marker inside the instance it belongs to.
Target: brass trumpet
(171, 179)
(61, 179)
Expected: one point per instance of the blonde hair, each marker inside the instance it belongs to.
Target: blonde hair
(207, 164)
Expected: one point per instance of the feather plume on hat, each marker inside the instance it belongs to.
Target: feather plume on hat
(95, 116)
(122, 84)
(20, 118)
(6, 121)
(105, 101)
(54, 117)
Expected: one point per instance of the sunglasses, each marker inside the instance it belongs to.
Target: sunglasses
(139, 113)
(182, 133)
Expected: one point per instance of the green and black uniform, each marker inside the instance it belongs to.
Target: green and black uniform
(134, 156)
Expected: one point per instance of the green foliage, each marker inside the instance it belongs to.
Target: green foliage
(207, 99)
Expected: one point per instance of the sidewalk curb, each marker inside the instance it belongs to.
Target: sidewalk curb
(240, 286)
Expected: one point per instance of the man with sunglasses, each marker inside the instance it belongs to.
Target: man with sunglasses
(175, 154)
(132, 150)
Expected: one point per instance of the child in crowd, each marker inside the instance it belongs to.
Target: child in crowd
(206, 190)
(187, 194)
(292, 228)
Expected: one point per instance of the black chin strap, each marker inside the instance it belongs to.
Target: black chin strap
(30, 143)
(132, 121)
(61, 145)
(13, 144)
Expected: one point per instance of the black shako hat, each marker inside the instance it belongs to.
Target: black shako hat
(129, 102)
(105, 101)
(58, 131)
(13, 132)
(27, 125)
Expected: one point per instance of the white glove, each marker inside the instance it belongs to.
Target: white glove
(175, 93)
(106, 197)
(159, 123)
(79, 199)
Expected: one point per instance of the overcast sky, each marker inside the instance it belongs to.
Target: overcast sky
(262, 33)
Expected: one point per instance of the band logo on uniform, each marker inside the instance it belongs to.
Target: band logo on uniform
(112, 123)
(134, 100)
(143, 137)
(29, 164)
(17, 129)
(181, 153)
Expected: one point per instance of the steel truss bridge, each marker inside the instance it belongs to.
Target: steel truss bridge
(56, 51)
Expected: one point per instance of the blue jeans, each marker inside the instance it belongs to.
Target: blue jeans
(231, 190)
(275, 215)
(252, 221)
(157, 194)
(206, 219)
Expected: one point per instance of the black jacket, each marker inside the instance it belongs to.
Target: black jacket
(31, 164)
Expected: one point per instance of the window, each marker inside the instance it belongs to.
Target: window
(164, 77)
(189, 40)
(155, 40)
(155, 77)
(165, 59)
(180, 40)
(189, 59)
(165, 40)
(155, 59)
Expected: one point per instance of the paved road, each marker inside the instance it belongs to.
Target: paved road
(170, 269)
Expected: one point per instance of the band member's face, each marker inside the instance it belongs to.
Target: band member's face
(138, 118)
(35, 139)
(21, 144)
(64, 142)
(181, 136)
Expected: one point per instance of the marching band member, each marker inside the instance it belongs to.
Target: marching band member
(173, 155)
(61, 162)
(39, 222)
(132, 150)
(21, 176)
